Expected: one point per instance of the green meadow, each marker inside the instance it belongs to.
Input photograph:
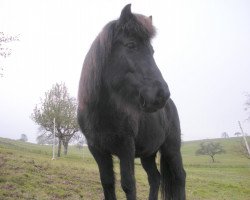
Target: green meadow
(27, 172)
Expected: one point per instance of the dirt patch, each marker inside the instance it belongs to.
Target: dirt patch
(2, 160)
(8, 187)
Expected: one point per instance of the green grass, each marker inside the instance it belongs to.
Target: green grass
(27, 172)
(227, 178)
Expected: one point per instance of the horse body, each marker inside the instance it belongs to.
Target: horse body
(125, 110)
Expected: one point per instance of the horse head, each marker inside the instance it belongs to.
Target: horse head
(130, 71)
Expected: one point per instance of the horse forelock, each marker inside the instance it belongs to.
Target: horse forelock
(138, 25)
(147, 24)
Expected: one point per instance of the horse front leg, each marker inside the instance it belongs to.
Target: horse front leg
(126, 156)
(154, 177)
(105, 165)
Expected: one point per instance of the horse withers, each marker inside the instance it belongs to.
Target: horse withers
(125, 110)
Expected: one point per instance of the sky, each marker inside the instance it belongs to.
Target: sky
(202, 49)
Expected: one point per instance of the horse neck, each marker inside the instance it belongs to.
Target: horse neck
(113, 104)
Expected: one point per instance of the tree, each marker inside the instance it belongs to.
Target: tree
(6, 51)
(210, 148)
(23, 138)
(241, 149)
(224, 135)
(237, 134)
(80, 143)
(45, 139)
(247, 105)
(59, 105)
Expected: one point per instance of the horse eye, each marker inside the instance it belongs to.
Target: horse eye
(131, 45)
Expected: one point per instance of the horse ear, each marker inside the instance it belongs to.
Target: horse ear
(126, 14)
(151, 18)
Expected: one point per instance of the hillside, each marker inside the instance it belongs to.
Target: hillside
(27, 172)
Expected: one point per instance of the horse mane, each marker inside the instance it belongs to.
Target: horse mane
(96, 58)
(140, 26)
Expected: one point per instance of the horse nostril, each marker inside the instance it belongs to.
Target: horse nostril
(152, 100)
(167, 95)
(161, 98)
(142, 101)
(159, 101)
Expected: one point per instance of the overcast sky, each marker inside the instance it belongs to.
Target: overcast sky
(201, 47)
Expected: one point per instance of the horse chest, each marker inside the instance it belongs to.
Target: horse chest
(110, 131)
(151, 135)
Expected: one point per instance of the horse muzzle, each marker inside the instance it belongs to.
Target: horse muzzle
(153, 100)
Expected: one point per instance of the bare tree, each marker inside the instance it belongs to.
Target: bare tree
(23, 138)
(224, 135)
(237, 134)
(247, 105)
(59, 105)
(80, 143)
(46, 139)
(244, 136)
(241, 149)
(4, 50)
(210, 148)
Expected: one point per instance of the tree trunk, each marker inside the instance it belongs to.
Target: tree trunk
(212, 158)
(65, 145)
(59, 147)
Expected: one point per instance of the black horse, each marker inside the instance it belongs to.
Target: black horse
(125, 110)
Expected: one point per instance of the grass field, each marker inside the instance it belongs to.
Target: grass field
(27, 172)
